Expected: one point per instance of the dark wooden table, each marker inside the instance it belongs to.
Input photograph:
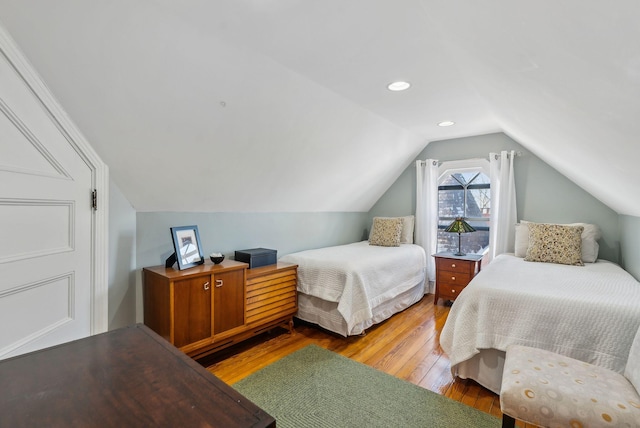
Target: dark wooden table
(129, 377)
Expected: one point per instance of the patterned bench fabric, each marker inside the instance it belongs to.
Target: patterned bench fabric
(632, 371)
(548, 389)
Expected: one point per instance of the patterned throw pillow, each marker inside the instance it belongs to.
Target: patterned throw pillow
(590, 236)
(406, 236)
(386, 232)
(555, 243)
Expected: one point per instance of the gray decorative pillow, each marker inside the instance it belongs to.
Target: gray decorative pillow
(555, 243)
(386, 232)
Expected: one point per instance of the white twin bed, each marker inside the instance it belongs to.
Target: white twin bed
(348, 288)
(588, 312)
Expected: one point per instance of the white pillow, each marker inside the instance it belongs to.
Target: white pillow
(590, 235)
(522, 239)
(408, 223)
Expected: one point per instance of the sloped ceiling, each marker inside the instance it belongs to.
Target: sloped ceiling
(269, 105)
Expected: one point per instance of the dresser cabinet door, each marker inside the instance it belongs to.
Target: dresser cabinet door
(228, 300)
(192, 310)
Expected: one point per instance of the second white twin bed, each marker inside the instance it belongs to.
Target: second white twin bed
(573, 304)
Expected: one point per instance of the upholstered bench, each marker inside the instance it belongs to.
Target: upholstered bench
(551, 390)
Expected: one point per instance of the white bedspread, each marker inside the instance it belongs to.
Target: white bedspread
(589, 312)
(358, 276)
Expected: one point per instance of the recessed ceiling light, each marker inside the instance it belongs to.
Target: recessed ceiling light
(398, 86)
(446, 123)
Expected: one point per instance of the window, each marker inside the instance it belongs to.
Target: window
(464, 190)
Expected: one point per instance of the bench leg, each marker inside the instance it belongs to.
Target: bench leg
(508, 421)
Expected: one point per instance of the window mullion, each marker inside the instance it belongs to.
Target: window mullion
(475, 197)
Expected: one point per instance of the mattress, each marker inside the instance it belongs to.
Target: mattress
(358, 280)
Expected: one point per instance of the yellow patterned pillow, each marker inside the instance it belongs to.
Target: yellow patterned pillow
(406, 236)
(386, 232)
(555, 243)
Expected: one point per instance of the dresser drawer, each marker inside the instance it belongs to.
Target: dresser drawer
(271, 294)
(453, 278)
(450, 265)
(450, 291)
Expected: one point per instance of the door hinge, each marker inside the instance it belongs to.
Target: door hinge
(94, 199)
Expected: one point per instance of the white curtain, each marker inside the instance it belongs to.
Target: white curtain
(503, 203)
(426, 228)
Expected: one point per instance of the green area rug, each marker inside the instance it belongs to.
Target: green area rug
(314, 387)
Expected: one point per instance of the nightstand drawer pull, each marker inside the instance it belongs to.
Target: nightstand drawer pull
(453, 291)
(453, 278)
(453, 265)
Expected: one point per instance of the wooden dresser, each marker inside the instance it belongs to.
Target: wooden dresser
(209, 307)
(453, 273)
(123, 378)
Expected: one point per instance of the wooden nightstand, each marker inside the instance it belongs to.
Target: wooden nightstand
(453, 273)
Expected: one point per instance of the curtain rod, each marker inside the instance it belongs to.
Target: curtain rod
(496, 155)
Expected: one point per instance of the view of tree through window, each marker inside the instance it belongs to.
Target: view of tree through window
(468, 195)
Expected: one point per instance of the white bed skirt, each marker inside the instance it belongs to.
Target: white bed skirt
(485, 368)
(326, 315)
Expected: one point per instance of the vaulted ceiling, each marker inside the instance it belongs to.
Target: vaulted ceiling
(281, 105)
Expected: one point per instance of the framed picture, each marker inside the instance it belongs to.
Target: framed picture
(186, 242)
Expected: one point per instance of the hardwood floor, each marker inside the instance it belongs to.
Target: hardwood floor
(405, 346)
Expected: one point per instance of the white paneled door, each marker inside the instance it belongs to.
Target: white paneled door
(48, 272)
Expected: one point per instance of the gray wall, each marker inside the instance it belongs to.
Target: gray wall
(543, 194)
(122, 260)
(227, 232)
(630, 244)
(137, 240)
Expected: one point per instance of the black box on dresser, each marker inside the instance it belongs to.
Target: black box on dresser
(257, 257)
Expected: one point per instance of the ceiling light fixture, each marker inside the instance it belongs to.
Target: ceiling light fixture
(446, 123)
(398, 86)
